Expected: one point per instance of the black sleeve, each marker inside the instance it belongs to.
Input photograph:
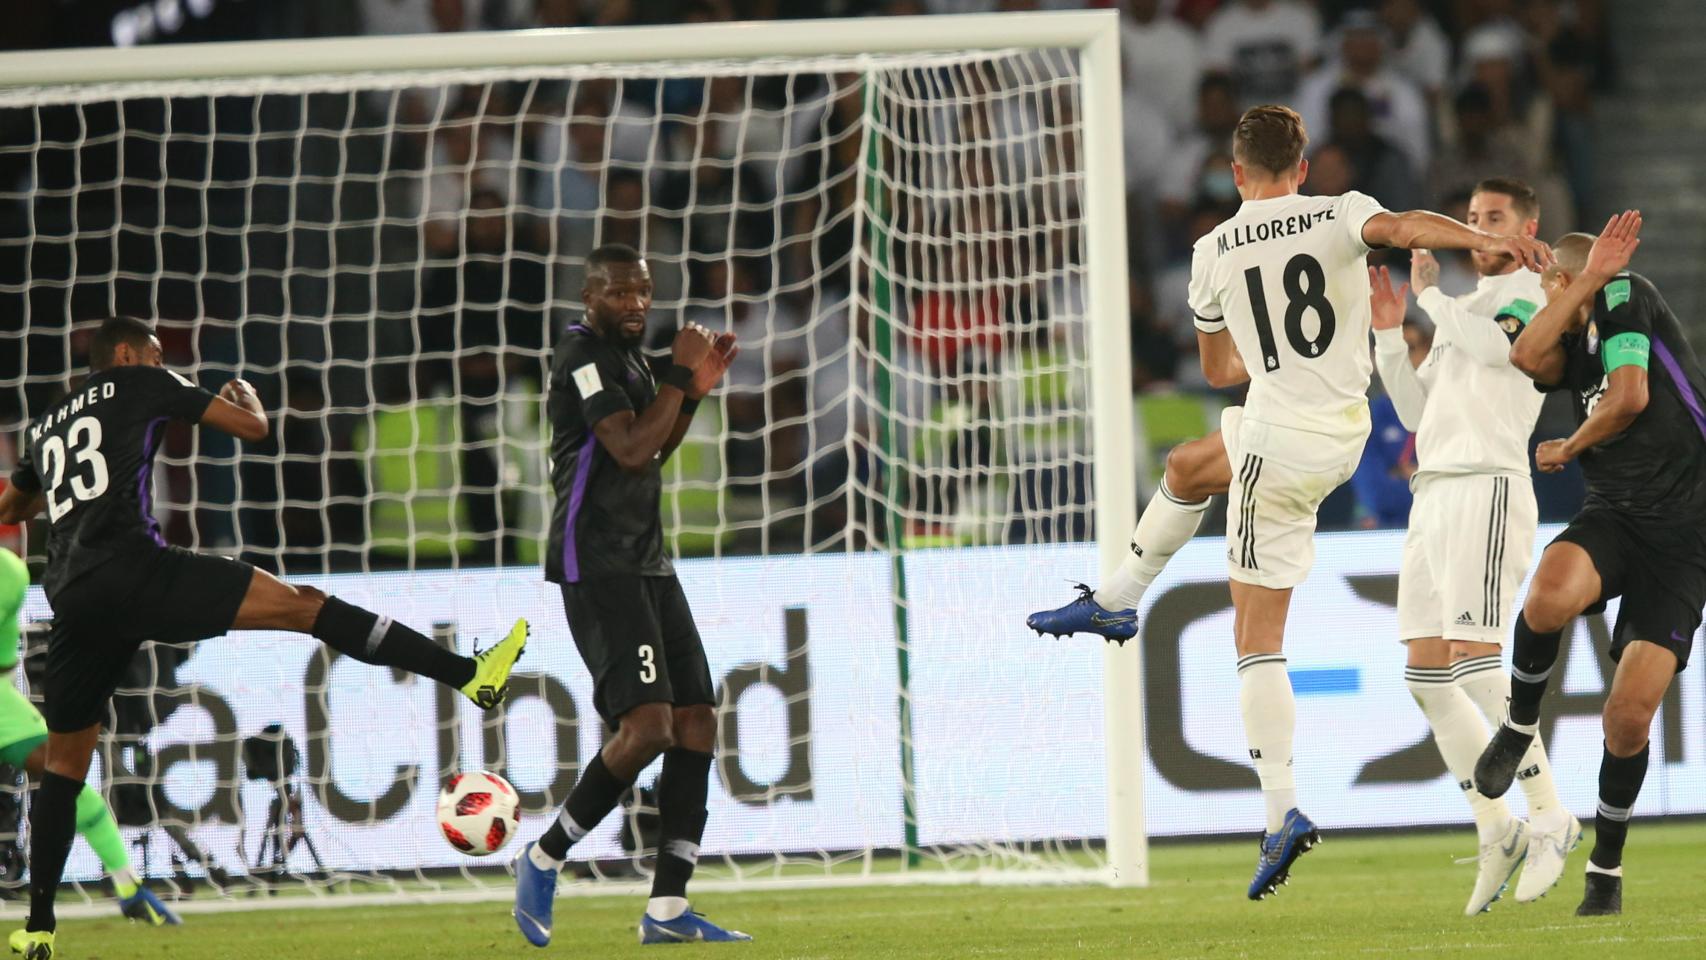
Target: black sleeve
(174, 395)
(24, 475)
(593, 380)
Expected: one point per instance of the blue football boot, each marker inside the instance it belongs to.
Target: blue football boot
(690, 927)
(1281, 850)
(535, 889)
(1085, 615)
(143, 905)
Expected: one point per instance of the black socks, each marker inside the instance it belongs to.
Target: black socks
(378, 640)
(594, 796)
(682, 789)
(53, 824)
(1532, 657)
(1619, 784)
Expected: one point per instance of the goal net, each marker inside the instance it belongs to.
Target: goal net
(898, 468)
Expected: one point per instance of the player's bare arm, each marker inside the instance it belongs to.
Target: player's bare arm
(1221, 365)
(705, 377)
(1624, 399)
(17, 506)
(1538, 350)
(634, 440)
(237, 411)
(1423, 229)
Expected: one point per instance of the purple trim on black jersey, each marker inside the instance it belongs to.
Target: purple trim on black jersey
(583, 469)
(579, 326)
(1684, 387)
(145, 489)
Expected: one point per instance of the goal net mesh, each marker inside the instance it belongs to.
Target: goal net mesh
(895, 471)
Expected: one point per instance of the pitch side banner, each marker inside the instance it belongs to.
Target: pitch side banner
(1007, 729)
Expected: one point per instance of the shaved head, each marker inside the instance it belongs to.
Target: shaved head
(1572, 252)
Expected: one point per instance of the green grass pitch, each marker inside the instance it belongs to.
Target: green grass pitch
(1369, 896)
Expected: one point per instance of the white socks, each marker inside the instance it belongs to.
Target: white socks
(1485, 681)
(1461, 735)
(666, 908)
(1270, 721)
(1167, 524)
(542, 860)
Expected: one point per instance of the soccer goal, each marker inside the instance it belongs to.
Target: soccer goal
(916, 228)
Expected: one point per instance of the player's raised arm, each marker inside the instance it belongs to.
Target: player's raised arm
(705, 377)
(1391, 352)
(1582, 265)
(632, 439)
(237, 411)
(1422, 229)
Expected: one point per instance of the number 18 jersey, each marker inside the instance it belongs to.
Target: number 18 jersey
(92, 456)
(1288, 278)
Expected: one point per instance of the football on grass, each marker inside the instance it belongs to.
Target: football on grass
(478, 812)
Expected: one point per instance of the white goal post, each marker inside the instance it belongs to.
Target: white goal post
(384, 67)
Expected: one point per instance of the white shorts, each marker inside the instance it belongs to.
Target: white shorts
(1470, 540)
(1271, 505)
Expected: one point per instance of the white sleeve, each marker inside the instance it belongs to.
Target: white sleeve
(1353, 210)
(1478, 336)
(1204, 302)
(1403, 384)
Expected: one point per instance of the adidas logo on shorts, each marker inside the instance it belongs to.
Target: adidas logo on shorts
(1465, 620)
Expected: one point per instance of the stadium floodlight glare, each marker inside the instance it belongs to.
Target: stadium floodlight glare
(916, 226)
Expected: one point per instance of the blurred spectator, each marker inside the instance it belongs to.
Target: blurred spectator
(1419, 49)
(470, 153)
(1568, 58)
(1399, 113)
(1148, 143)
(1380, 168)
(1331, 171)
(1479, 147)
(1162, 60)
(1185, 177)
(1266, 45)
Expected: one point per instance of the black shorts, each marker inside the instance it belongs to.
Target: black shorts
(102, 617)
(637, 638)
(1659, 571)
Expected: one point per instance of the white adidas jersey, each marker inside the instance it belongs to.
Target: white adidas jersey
(1479, 411)
(1288, 277)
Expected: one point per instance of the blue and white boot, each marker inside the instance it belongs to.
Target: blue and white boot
(1085, 615)
(535, 892)
(690, 927)
(1280, 850)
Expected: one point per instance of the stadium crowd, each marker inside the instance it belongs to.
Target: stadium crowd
(1409, 101)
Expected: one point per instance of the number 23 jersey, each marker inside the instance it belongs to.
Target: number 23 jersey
(92, 454)
(1288, 278)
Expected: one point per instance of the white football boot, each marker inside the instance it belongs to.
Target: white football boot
(1498, 861)
(1546, 855)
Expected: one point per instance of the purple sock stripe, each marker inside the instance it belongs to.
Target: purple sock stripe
(1684, 387)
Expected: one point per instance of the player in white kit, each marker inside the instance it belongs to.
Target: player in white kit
(1281, 294)
(1472, 528)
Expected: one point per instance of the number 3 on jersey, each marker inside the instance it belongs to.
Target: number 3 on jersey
(1305, 289)
(83, 441)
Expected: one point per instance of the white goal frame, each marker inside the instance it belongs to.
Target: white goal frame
(1094, 35)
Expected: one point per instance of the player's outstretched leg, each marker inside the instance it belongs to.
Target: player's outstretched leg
(641, 735)
(272, 604)
(1460, 733)
(1565, 583)
(1552, 830)
(681, 791)
(1195, 472)
(1644, 673)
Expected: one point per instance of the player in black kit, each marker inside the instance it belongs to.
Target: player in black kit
(614, 421)
(113, 582)
(1607, 336)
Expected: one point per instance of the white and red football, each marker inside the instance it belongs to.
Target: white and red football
(478, 812)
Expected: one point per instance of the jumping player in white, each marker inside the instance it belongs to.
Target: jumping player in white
(1472, 528)
(1284, 282)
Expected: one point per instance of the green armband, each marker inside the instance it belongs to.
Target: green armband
(1625, 350)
